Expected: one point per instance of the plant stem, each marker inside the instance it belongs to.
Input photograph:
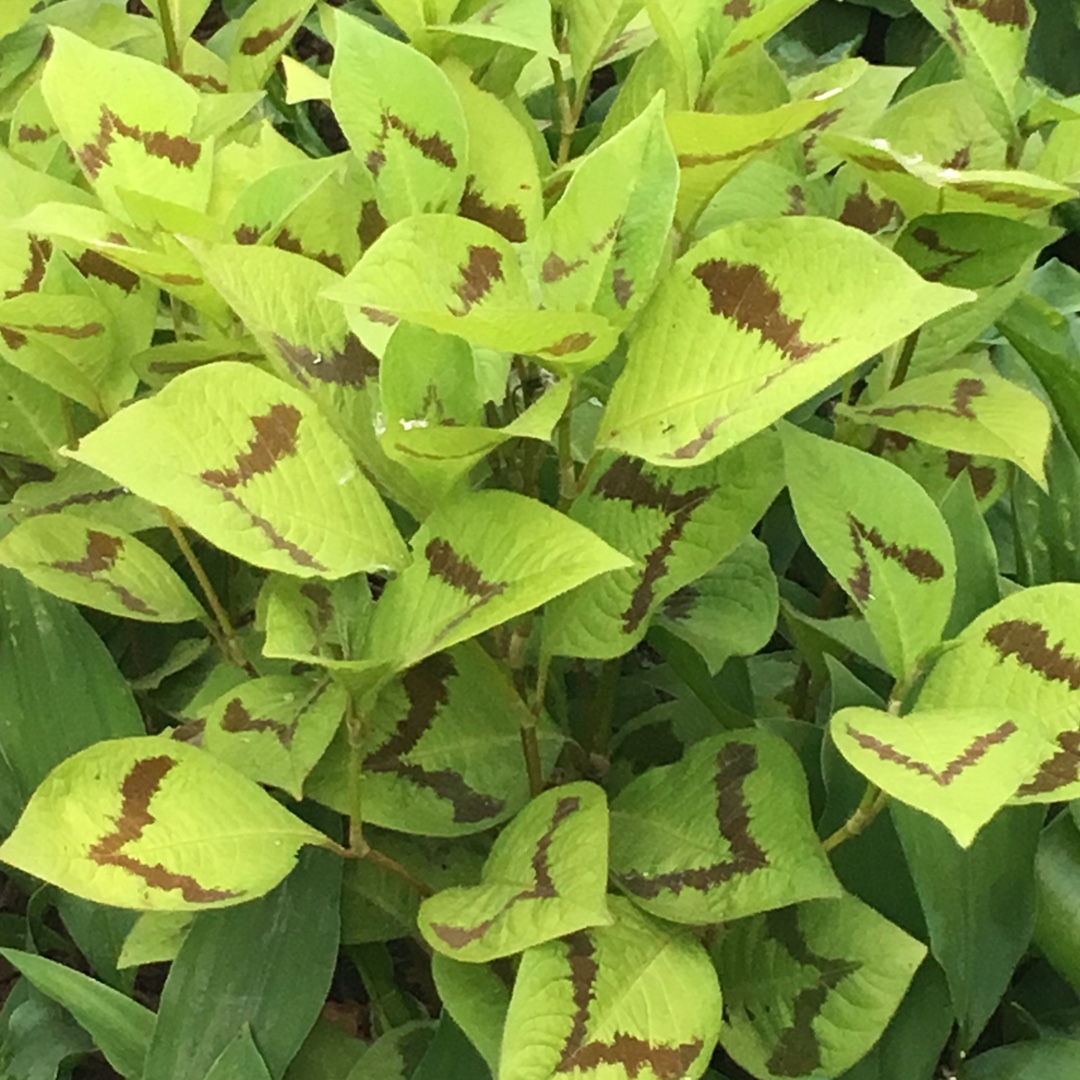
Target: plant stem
(602, 712)
(168, 31)
(569, 113)
(379, 859)
(871, 804)
(568, 479)
(530, 745)
(231, 644)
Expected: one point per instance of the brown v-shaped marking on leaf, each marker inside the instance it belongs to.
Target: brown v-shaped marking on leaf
(178, 150)
(478, 277)
(40, 253)
(139, 787)
(267, 36)
(349, 364)
(976, 750)
(1029, 642)
(543, 888)
(433, 147)
(921, 563)
(459, 572)
(426, 687)
(1059, 770)
(965, 391)
(734, 763)
(102, 551)
(237, 718)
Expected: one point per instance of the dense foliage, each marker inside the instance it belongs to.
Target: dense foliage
(539, 539)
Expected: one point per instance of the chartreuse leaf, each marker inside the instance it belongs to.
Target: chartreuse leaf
(636, 999)
(31, 417)
(723, 834)
(959, 765)
(592, 27)
(315, 621)
(98, 565)
(881, 536)
(461, 277)
(1023, 655)
(730, 611)
(261, 35)
(14, 16)
(809, 989)
(183, 15)
(441, 754)
(155, 824)
(402, 118)
(275, 729)
(972, 412)
(121, 1028)
(155, 937)
(749, 324)
(266, 479)
(81, 492)
(480, 560)
(129, 125)
(478, 999)
(602, 243)
(676, 524)
(546, 876)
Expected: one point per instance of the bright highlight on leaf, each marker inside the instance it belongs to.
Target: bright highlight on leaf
(156, 825)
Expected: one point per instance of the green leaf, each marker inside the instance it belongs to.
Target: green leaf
(155, 937)
(261, 35)
(240, 1060)
(809, 989)
(592, 29)
(676, 525)
(31, 417)
(37, 1036)
(1042, 1059)
(154, 824)
(121, 1028)
(184, 15)
(402, 118)
(546, 876)
(980, 918)
(328, 1053)
(636, 998)
(267, 964)
(395, 1055)
(14, 16)
(880, 536)
(478, 999)
(959, 765)
(315, 621)
(451, 1056)
(976, 556)
(103, 567)
(972, 412)
(1057, 878)
(480, 560)
(273, 730)
(270, 481)
(749, 324)
(723, 834)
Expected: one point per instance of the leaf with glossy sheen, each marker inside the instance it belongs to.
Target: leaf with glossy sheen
(402, 118)
(478, 999)
(100, 566)
(723, 834)
(273, 730)
(269, 480)
(546, 876)
(121, 1028)
(880, 535)
(1057, 883)
(809, 989)
(959, 765)
(1051, 1058)
(749, 324)
(970, 412)
(676, 525)
(634, 999)
(1023, 655)
(262, 34)
(480, 560)
(155, 824)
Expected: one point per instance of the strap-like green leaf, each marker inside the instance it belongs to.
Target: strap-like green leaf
(748, 324)
(546, 876)
(809, 989)
(723, 834)
(267, 480)
(96, 564)
(154, 824)
(881, 537)
(636, 999)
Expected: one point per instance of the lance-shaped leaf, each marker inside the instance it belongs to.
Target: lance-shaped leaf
(809, 989)
(677, 524)
(155, 937)
(749, 323)
(275, 729)
(958, 765)
(267, 479)
(441, 754)
(974, 413)
(402, 118)
(723, 834)
(96, 564)
(1023, 655)
(602, 243)
(593, 27)
(480, 560)
(636, 999)
(882, 538)
(546, 876)
(730, 611)
(31, 417)
(460, 277)
(156, 825)
(128, 122)
(262, 33)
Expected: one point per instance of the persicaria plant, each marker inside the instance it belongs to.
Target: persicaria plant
(539, 540)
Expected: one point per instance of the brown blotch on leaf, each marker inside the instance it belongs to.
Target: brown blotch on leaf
(478, 276)
(178, 150)
(555, 268)
(458, 572)
(862, 212)
(277, 541)
(622, 287)
(738, 9)
(237, 719)
(204, 82)
(572, 343)
(12, 338)
(84, 498)
(102, 551)
(999, 12)
(506, 220)
(690, 161)
(247, 234)
(260, 42)
(877, 164)
(321, 597)
(287, 242)
(742, 292)
(275, 440)
(960, 160)
(580, 951)
(433, 147)
(920, 563)
(680, 604)
(372, 224)
(180, 280)
(139, 787)
(352, 364)
(1026, 200)
(635, 1055)
(92, 264)
(797, 203)
(983, 477)
(1061, 769)
(379, 315)
(965, 391)
(40, 252)
(1029, 642)
(33, 133)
